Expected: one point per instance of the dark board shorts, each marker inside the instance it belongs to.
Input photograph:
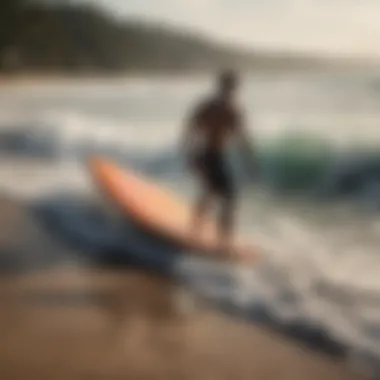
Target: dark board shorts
(216, 173)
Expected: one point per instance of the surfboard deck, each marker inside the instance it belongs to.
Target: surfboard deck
(159, 211)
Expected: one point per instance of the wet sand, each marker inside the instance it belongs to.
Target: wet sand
(77, 323)
(65, 321)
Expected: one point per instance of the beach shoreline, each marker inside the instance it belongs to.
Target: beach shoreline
(54, 77)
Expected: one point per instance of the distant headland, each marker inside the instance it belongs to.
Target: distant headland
(58, 38)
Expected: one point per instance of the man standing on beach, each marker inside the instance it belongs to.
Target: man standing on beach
(210, 127)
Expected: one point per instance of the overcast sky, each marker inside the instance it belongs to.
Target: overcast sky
(350, 27)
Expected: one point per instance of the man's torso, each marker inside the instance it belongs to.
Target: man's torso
(216, 122)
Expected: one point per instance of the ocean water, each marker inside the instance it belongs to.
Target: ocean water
(313, 210)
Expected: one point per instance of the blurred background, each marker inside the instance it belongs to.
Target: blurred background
(85, 294)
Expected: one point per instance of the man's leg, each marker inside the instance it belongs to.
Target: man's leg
(225, 189)
(226, 223)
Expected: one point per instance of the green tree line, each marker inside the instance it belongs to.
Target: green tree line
(59, 36)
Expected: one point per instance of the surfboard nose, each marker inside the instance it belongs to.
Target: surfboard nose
(96, 162)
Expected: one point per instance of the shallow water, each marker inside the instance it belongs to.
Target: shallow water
(321, 261)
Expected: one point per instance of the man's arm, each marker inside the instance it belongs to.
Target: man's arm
(246, 140)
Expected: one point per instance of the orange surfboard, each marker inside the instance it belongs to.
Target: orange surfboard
(157, 210)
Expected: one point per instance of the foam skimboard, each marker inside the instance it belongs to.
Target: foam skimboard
(162, 213)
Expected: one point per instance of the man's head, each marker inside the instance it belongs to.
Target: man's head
(227, 82)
